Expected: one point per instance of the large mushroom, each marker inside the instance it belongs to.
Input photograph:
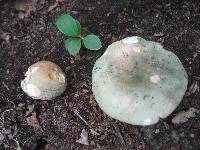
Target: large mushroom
(138, 82)
(44, 80)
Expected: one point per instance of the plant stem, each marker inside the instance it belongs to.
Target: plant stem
(81, 37)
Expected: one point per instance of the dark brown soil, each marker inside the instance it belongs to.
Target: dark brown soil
(174, 23)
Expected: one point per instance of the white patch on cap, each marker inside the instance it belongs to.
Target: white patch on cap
(155, 78)
(105, 53)
(61, 78)
(28, 72)
(126, 102)
(130, 40)
(147, 121)
(137, 50)
(34, 69)
(32, 90)
(23, 85)
(31, 70)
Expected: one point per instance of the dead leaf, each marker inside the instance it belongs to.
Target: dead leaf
(193, 88)
(77, 57)
(1, 138)
(113, 39)
(89, 57)
(30, 109)
(84, 138)
(46, 147)
(32, 120)
(25, 7)
(56, 4)
(22, 15)
(5, 36)
(183, 116)
(194, 56)
(20, 106)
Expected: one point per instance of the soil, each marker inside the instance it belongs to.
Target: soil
(38, 124)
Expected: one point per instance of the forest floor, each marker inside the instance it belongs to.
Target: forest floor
(28, 34)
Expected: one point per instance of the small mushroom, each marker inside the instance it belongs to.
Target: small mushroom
(44, 80)
(138, 82)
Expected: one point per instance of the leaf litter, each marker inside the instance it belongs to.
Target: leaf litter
(194, 88)
(184, 116)
(25, 7)
(84, 138)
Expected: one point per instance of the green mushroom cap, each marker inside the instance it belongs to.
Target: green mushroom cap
(44, 80)
(138, 82)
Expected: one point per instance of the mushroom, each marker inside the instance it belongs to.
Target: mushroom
(138, 82)
(44, 80)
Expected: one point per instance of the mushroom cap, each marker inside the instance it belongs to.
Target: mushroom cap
(44, 80)
(138, 82)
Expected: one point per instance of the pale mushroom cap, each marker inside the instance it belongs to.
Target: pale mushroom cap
(138, 81)
(44, 80)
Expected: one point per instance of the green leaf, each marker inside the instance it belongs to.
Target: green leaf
(92, 42)
(73, 45)
(78, 26)
(68, 25)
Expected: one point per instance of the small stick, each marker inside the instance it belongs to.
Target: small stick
(119, 134)
(79, 116)
(18, 147)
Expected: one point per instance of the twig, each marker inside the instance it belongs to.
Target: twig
(79, 116)
(18, 147)
(77, 113)
(119, 134)
(6, 86)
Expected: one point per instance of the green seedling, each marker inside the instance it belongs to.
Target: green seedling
(72, 29)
